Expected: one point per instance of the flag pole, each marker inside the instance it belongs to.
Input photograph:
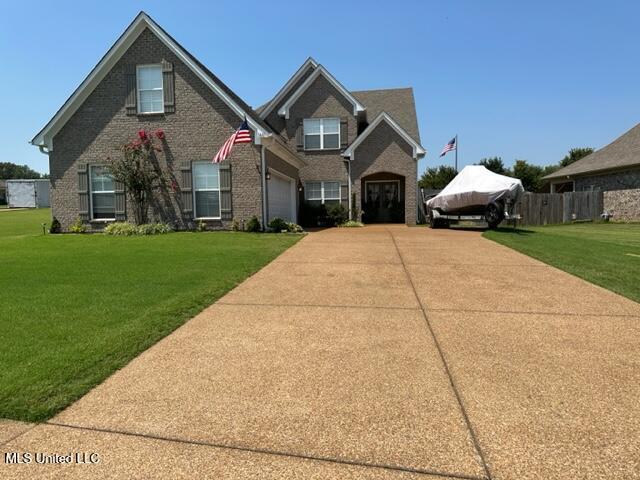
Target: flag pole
(456, 153)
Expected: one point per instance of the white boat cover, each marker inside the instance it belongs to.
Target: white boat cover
(475, 185)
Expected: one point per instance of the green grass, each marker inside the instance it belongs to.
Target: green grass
(606, 254)
(75, 308)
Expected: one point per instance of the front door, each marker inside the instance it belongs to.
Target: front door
(382, 202)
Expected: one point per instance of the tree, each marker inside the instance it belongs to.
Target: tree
(530, 175)
(437, 178)
(10, 170)
(138, 171)
(575, 154)
(494, 164)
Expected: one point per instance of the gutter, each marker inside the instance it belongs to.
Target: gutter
(43, 149)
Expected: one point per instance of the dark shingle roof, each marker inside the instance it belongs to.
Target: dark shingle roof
(622, 152)
(397, 102)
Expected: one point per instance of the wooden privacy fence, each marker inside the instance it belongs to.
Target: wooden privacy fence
(549, 208)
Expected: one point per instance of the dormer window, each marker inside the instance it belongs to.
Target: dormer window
(150, 96)
(321, 133)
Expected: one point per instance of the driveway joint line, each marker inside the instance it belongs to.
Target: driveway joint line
(454, 387)
(526, 312)
(437, 264)
(301, 305)
(19, 434)
(264, 451)
(329, 262)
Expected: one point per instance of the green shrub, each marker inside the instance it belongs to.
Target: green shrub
(128, 229)
(235, 225)
(78, 226)
(294, 228)
(120, 228)
(277, 225)
(338, 213)
(311, 214)
(351, 224)
(153, 229)
(202, 226)
(55, 226)
(253, 225)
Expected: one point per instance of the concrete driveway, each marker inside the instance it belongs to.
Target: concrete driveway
(375, 353)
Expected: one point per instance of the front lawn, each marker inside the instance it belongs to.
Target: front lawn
(606, 254)
(75, 308)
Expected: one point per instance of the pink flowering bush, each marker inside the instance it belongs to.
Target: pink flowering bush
(138, 170)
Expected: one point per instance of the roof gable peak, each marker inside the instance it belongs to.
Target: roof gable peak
(320, 70)
(269, 106)
(418, 150)
(142, 21)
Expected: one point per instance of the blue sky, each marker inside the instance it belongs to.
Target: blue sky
(514, 79)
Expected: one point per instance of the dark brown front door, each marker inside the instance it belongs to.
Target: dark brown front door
(382, 202)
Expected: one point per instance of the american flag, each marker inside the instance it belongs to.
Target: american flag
(241, 135)
(449, 147)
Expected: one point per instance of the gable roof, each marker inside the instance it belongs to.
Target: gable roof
(418, 150)
(621, 153)
(320, 70)
(44, 138)
(265, 109)
(398, 103)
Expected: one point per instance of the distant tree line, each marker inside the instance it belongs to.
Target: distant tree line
(531, 175)
(10, 171)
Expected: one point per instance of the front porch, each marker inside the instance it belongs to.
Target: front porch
(382, 198)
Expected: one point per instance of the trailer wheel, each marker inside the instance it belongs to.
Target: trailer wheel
(433, 221)
(493, 215)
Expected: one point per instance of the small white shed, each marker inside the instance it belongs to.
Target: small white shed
(28, 193)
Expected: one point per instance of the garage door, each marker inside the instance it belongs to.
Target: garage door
(281, 198)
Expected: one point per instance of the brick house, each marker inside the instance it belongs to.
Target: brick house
(614, 167)
(314, 143)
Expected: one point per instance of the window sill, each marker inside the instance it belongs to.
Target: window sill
(150, 114)
(102, 220)
(207, 219)
(337, 149)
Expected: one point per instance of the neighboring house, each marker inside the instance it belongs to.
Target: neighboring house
(614, 167)
(314, 143)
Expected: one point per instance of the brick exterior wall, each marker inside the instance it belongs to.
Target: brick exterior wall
(609, 181)
(383, 151)
(200, 125)
(386, 151)
(273, 119)
(623, 204)
(320, 100)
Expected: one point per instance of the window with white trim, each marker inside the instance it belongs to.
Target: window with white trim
(103, 197)
(321, 133)
(150, 95)
(322, 192)
(206, 190)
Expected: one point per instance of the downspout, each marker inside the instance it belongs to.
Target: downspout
(263, 181)
(349, 190)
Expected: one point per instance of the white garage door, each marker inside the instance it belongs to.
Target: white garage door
(281, 201)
